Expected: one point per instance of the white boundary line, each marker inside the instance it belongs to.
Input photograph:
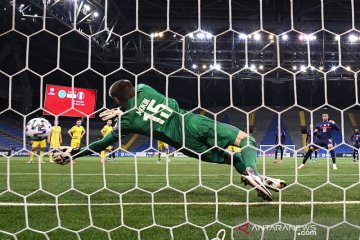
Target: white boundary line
(164, 175)
(177, 203)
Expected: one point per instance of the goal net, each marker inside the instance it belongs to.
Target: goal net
(260, 66)
(269, 150)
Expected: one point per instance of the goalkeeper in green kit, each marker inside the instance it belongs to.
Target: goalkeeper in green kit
(147, 111)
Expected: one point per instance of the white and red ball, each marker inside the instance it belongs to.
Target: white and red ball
(38, 129)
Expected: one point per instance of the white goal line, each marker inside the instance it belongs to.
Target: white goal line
(14, 204)
(171, 175)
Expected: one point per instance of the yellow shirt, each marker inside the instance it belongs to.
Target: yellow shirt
(107, 129)
(55, 134)
(76, 132)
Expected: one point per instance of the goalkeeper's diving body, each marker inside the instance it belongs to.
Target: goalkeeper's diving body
(147, 111)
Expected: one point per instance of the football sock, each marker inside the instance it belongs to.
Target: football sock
(32, 155)
(102, 155)
(316, 154)
(308, 153)
(239, 163)
(332, 154)
(41, 155)
(281, 153)
(248, 153)
(167, 151)
(354, 154)
(276, 152)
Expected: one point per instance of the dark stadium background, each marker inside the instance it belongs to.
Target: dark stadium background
(216, 88)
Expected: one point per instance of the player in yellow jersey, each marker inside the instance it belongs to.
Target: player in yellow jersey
(35, 145)
(54, 139)
(162, 145)
(76, 133)
(105, 131)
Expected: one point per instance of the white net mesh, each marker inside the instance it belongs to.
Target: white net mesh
(262, 74)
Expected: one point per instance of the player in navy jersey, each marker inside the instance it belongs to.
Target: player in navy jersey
(355, 139)
(323, 131)
(280, 145)
(308, 141)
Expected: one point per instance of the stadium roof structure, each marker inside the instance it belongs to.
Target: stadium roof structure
(113, 27)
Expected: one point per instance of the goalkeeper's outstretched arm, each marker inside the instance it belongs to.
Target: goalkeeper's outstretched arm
(72, 153)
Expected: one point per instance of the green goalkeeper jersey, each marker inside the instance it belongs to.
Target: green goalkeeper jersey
(167, 122)
(153, 114)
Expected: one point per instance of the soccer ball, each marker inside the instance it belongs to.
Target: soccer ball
(38, 129)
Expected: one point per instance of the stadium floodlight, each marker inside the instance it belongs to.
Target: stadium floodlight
(353, 38)
(217, 66)
(310, 37)
(211, 66)
(95, 14)
(261, 67)
(321, 68)
(301, 37)
(242, 36)
(337, 37)
(257, 36)
(161, 34)
(194, 66)
(87, 7)
(208, 35)
(303, 68)
(191, 35)
(348, 68)
(152, 35)
(252, 67)
(333, 68)
(204, 66)
(312, 68)
(294, 67)
(285, 37)
(200, 35)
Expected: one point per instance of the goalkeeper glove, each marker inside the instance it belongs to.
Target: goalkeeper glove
(110, 113)
(64, 156)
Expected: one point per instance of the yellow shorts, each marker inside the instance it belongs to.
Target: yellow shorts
(162, 145)
(39, 144)
(75, 144)
(54, 145)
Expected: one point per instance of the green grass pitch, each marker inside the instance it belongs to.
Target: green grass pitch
(188, 204)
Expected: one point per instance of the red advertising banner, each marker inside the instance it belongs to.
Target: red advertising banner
(58, 99)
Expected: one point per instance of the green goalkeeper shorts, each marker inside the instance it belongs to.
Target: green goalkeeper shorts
(200, 134)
